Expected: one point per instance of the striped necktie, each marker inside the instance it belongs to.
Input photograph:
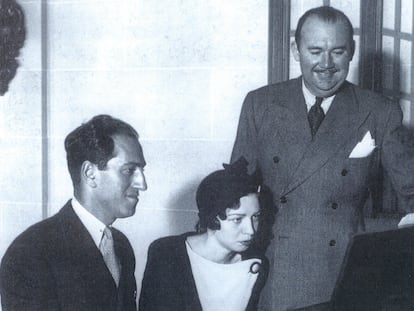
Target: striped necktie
(316, 116)
(108, 253)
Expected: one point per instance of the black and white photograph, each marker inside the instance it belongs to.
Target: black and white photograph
(172, 155)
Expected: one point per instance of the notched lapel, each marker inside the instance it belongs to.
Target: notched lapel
(341, 123)
(287, 124)
(82, 254)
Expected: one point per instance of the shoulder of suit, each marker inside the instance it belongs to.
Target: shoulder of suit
(172, 242)
(280, 88)
(48, 231)
(38, 238)
(372, 100)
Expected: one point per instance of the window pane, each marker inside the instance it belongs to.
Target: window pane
(350, 8)
(298, 7)
(407, 16)
(405, 61)
(406, 109)
(353, 75)
(387, 61)
(389, 14)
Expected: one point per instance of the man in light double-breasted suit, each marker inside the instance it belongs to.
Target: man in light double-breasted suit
(320, 174)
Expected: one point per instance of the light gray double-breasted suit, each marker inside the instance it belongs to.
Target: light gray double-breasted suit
(320, 191)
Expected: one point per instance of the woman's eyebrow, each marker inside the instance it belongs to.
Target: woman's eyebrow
(238, 214)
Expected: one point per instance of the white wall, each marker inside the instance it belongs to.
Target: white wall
(177, 70)
(20, 137)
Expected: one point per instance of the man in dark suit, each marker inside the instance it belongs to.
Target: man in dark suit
(319, 156)
(76, 260)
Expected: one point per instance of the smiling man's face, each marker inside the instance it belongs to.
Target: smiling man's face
(324, 52)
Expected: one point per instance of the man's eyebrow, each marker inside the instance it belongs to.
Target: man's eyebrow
(341, 47)
(137, 164)
(314, 48)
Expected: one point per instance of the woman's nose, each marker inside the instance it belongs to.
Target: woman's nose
(249, 227)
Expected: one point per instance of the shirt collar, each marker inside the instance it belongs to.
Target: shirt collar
(310, 99)
(94, 226)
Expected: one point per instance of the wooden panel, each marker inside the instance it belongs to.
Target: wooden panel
(279, 40)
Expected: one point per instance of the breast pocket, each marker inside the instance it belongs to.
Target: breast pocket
(358, 171)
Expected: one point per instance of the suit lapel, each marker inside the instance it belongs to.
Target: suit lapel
(289, 113)
(288, 126)
(341, 122)
(83, 254)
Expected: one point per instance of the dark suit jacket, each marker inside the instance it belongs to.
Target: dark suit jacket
(169, 284)
(55, 265)
(319, 190)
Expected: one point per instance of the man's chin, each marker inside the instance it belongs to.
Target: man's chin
(327, 89)
(129, 211)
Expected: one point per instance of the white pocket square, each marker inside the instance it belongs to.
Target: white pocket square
(364, 147)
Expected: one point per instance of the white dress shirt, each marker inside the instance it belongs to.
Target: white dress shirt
(94, 226)
(310, 99)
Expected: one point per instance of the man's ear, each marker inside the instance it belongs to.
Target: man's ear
(88, 171)
(352, 49)
(295, 50)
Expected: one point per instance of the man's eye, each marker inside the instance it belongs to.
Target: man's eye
(315, 52)
(338, 52)
(129, 171)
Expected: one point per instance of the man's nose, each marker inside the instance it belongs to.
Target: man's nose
(139, 180)
(327, 61)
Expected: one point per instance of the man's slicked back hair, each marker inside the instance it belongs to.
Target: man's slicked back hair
(93, 141)
(327, 14)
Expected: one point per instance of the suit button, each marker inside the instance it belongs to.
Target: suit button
(332, 243)
(276, 159)
(283, 199)
(334, 205)
(344, 172)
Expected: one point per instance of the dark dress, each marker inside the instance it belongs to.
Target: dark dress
(169, 284)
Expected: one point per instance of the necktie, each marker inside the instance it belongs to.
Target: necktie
(108, 253)
(316, 115)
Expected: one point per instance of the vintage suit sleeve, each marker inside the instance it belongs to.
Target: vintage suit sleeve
(155, 292)
(25, 279)
(246, 139)
(168, 283)
(397, 157)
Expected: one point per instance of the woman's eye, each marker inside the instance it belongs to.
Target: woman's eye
(236, 220)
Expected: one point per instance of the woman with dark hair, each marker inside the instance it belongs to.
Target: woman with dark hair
(219, 267)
